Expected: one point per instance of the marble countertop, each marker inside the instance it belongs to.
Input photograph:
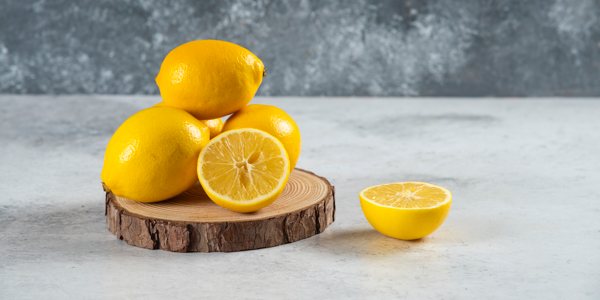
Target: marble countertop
(525, 221)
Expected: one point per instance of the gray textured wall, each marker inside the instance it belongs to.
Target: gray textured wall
(335, 47)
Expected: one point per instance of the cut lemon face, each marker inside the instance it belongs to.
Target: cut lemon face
(243, 170)
(406, 210)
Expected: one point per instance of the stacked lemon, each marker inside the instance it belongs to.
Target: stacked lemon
(243, 164)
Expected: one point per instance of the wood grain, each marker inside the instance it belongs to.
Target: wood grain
(191, 222)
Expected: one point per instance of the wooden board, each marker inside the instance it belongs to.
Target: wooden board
(191, 222)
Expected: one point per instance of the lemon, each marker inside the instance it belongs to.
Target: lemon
(243, 170)
(214, 125)
(272, 120)
(153, 155)
(405, 210)
(209, 78)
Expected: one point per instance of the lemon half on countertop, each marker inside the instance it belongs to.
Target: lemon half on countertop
(405, 210)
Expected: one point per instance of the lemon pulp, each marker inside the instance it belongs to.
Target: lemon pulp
(243, 170)
(407, 195)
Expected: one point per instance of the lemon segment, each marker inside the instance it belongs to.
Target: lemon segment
(243, 170)
(405, 210)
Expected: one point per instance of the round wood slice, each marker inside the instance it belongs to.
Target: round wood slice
(191, 222)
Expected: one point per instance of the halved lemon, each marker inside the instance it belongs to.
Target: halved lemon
(243, 170)
(405, 210)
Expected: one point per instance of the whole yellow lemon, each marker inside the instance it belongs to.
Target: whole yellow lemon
(153, 155)
(214, 125)
(272, 120)
(209, 78)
